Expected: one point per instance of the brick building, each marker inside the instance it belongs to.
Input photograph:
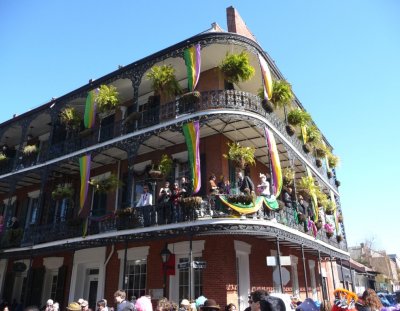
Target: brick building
(66, 238)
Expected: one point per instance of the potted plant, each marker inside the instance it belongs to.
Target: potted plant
(30, 150)
(265, 103)
(307, 185)
(107, 98)
(163, 168)
(333, 161)
(282, 94)
(236, 68)
(62, 191)
(320, 150)
(164, 82)
(329, 174)
(329, 208)
(337, 183)
(313, 137)
(329, 229)
(108, 184)
(70, 118)
(192, 202)
(190, 98)
(240, 155)
(296, 118)
(3, 157)
(318, 162)
(288, 176)
(339, 238)
(340, 218)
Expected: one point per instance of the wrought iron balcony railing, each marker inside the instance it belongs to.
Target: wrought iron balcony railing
(152, 216)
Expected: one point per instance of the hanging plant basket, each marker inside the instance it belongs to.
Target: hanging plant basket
(155, 174)
(109, 184)
(318, 224)
(62, 192)
(30, 150)
(337, 183)
(267, 106)
(318, 162)
(329, 234)
(240, 199)
(307, 148)
(193, 202)
(340, 219)
(190, 98)
(329, 211)
(240, 155)
(339, 238)
(329, 174)
(290, 130)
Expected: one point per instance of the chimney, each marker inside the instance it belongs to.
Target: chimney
(236, 23)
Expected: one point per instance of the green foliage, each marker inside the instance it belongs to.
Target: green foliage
(236, 67)
(163, 80)
(321, 150)
(322, 198)
(298, 117)
(108, 184)
(241, 155)
(70, 118)
(107, 98)
(30, 149)
(62, 191)
(288, 176)
(333, 161)
(307, 185)
(165, 164)
(282, 94)
(3, 156)
(313, 134)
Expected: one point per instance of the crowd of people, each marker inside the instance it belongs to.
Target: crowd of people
(259, 300)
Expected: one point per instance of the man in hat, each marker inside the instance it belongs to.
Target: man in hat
(184, 305)
(210, 305)
(74, 306)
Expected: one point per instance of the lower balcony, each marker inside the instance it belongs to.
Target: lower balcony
(155, 216)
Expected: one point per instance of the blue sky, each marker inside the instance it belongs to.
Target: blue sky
(341, 57)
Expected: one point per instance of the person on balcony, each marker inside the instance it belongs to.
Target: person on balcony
(287, 197)
(245, 184)
(224, 186)
(144, 205)
(264, 190)
(175, 199)
(213, 184)
(185, 187)
(164, 196)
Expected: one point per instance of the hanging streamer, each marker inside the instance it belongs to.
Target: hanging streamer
(313, 197)
(276, 172)
(266, 76)
(191, 132)
(193, 63)
(335, 212)
(84, 166)
(90, 109)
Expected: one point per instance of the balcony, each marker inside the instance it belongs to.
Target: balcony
(210, 101)
(152, 217)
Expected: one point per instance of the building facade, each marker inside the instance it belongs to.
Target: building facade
(70, 192)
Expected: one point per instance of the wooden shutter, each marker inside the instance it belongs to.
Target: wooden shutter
(61, 277)
(9, 286)
(35, 291)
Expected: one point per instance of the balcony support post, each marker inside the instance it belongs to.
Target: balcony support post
(321, 279)
(24, 133)
(304, 269)
(278, 257)
(351, 276)
(333, 273)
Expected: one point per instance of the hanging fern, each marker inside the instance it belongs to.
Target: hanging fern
(298, 117)
(163, 80)
(236, 67)
(107, 98)
(282, 94)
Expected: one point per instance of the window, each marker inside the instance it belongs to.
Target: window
(182, 170)
(184, 280)
(99, 203)
(34, 208)
(311, 266)
(136, 272)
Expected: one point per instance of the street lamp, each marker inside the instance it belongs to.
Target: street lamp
(165, 253)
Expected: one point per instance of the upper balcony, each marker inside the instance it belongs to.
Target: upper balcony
(140, 110)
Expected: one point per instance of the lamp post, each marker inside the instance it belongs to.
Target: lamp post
(165, 253)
